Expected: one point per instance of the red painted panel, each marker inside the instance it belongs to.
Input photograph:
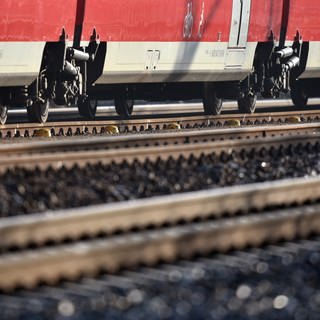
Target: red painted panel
(36, 20)
(265, 19)
(304, 17)
(157, 20)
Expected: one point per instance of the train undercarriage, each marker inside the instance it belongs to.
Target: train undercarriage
(68, 76)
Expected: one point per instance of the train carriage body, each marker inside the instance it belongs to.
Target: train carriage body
(172, 40)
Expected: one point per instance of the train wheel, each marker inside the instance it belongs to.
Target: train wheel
(87, 108)
(247, 104)
(38, 111)
(212, 105)
(298, 96)
(124, 105)
(3, 113)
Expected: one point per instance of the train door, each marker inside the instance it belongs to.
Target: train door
(236, 51)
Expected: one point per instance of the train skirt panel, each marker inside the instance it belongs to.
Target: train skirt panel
(130, 62)
(20, 62)
(313, 62)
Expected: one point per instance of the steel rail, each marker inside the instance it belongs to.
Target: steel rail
(71, 261)
(156, 139)
(106, 108)
(56, 226)
(99, 126)
(84, 157)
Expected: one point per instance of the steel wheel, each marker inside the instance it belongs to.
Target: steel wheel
(247, 104)
(3, 113)
(124, 103)
(212, 105)
(298, 96)
(87, 107)
(38, 112)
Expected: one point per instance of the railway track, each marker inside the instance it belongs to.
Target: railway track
(70, 243)
(34, 181)
(91, 221)
(131, 148)
(158, 139)
(148, 246)
(154, 124)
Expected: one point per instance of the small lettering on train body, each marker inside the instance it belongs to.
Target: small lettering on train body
(215, 53)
